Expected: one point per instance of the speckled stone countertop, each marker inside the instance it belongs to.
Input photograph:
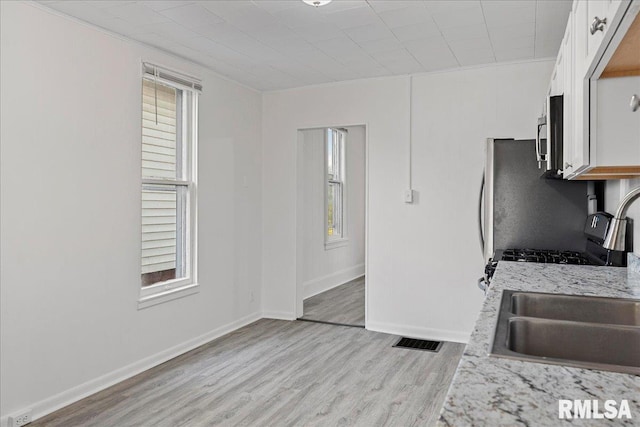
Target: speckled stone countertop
(492, 391)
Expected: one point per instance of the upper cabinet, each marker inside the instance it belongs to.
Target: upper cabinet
(598, 72)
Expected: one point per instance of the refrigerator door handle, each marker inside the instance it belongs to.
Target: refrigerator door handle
(542, 121)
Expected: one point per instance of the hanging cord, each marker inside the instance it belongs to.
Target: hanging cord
(155, 91)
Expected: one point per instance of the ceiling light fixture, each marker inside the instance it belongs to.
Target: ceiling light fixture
(317, 3)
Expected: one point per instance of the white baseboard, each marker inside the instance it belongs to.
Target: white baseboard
(279, 315)
(330, 281)
(419, 332)
(81, 391)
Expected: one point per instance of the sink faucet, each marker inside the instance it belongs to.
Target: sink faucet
(615, 239)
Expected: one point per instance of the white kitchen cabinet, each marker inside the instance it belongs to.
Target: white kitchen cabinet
(578, 159)
(601, 135)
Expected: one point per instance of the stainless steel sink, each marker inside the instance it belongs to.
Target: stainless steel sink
(586, 332)
(614, 311)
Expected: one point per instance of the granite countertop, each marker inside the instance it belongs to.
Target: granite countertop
(492, 391)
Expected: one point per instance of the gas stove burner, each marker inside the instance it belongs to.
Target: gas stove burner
(545, 256)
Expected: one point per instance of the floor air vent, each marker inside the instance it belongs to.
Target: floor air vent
(418, 344)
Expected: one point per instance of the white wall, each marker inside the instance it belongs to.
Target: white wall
(615, 190)
(323, 268)
(70, 212)
(424, 258)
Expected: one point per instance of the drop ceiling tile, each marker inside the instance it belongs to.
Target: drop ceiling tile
(474, 57)
(339, 6)
(514, 54)
(104, 3)
(502, 43)
(299, 17)
(384, 5)
(361, 63)
(170, 31)
(508, 31)
(414, 14)
(291, 46)
(274, 5)
(404, 66)
(156, 40)
(390, 56)
(546, 50)
(415, 31)
(137, 14)
(375, 72)
(228, 8)
(500, 12)
(448, 6)
(156, 5)
(471, 15)
(437, 60)
(470, 44)
(427, 45)
(319, 32)
(365, 33)
(83, 11)
(338, 44)
(465, 32)
(192, 15)
(351, 18)
(381, 45)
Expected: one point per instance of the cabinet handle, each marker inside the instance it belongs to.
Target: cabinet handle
(635, 103)
(598, 24)
(568, 165)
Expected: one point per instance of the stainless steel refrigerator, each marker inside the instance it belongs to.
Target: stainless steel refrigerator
(521, 209)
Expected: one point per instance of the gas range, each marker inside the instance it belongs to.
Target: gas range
(594, 254)
(544, 256)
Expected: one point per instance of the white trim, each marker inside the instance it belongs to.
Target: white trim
(67, 397)
(335, 243)
(169, 295)
(322, 284)
(403, 76)
(279, 315)
(419, 332)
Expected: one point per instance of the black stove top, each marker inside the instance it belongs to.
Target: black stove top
(543, 256)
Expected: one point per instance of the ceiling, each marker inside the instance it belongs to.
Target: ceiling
(272, 45)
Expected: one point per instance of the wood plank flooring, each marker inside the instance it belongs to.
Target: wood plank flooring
(279, 373)
(343, 304)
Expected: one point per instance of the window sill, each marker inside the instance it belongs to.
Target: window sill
(334, 244)
(166, 296)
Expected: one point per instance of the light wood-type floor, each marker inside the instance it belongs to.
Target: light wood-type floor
(343, 304)
(279, 373)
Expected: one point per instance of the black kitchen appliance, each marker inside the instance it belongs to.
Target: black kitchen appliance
(535, 219)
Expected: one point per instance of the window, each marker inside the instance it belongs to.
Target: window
(335, 187)
(169, 134)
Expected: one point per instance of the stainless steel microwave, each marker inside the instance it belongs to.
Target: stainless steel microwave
(549, 139)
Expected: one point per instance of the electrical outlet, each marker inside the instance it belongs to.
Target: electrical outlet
(408, 196)
(20, 419)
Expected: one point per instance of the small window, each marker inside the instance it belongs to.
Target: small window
(335, 185)
(169, 129)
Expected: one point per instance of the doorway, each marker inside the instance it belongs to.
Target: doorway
(331, 225)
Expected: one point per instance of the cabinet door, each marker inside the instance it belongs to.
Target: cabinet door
(617, 141)
(596, 12)
(567, 107)
(580, 158)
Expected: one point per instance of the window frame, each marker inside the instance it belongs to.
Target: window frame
(332, 242)
(186, 225)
